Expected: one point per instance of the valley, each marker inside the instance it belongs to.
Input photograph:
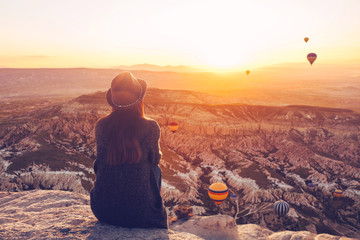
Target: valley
(263, 153)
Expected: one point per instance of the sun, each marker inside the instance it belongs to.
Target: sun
(225, 54)
(223, 59)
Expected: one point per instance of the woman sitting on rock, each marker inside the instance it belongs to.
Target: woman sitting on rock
(128, 179)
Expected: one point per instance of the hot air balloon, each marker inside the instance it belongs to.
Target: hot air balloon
(311, 185)
(306, 39)
(247, 72)
(338, 193)
(218, 192)
(233, 197)
(173, 126)
(281, 208)
(311, 57)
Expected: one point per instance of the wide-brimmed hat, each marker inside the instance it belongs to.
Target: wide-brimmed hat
(126, 91)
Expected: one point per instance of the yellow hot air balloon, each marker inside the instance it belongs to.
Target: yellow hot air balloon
(306, 39)
(247, 72)
(338, 193)
(218, 192)
(173, 126)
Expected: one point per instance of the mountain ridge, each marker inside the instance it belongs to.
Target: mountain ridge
(157, 68)
(262, 88)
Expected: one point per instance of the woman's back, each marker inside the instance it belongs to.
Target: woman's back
(127, 194)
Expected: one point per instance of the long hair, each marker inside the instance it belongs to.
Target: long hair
(123, 144)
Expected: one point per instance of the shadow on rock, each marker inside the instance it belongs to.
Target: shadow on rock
(105, 231)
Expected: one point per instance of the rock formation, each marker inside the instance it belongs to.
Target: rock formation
(262, 153)
(45, 214)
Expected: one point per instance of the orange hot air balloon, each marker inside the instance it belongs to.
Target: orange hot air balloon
(306, 39)
(247, 72)
(311, 57)
(338, 193)
(173, 126)
(218, 192)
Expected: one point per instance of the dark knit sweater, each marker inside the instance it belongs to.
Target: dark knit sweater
(128, 195)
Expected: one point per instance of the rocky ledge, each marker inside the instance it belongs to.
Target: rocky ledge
(40, 214)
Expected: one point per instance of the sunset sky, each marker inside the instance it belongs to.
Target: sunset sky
(208, 34)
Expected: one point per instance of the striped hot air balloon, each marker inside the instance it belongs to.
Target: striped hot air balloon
(311, 57)
(218, 192)
(306, 39)
(338, 193)
(173, 126)
(281, 208)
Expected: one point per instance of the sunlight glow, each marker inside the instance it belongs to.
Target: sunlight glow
(221, 35)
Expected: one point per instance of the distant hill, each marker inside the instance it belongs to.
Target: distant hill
(151, 67)
(333, 87)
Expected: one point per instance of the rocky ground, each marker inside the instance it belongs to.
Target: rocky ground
(45, 214)
(262, 153)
